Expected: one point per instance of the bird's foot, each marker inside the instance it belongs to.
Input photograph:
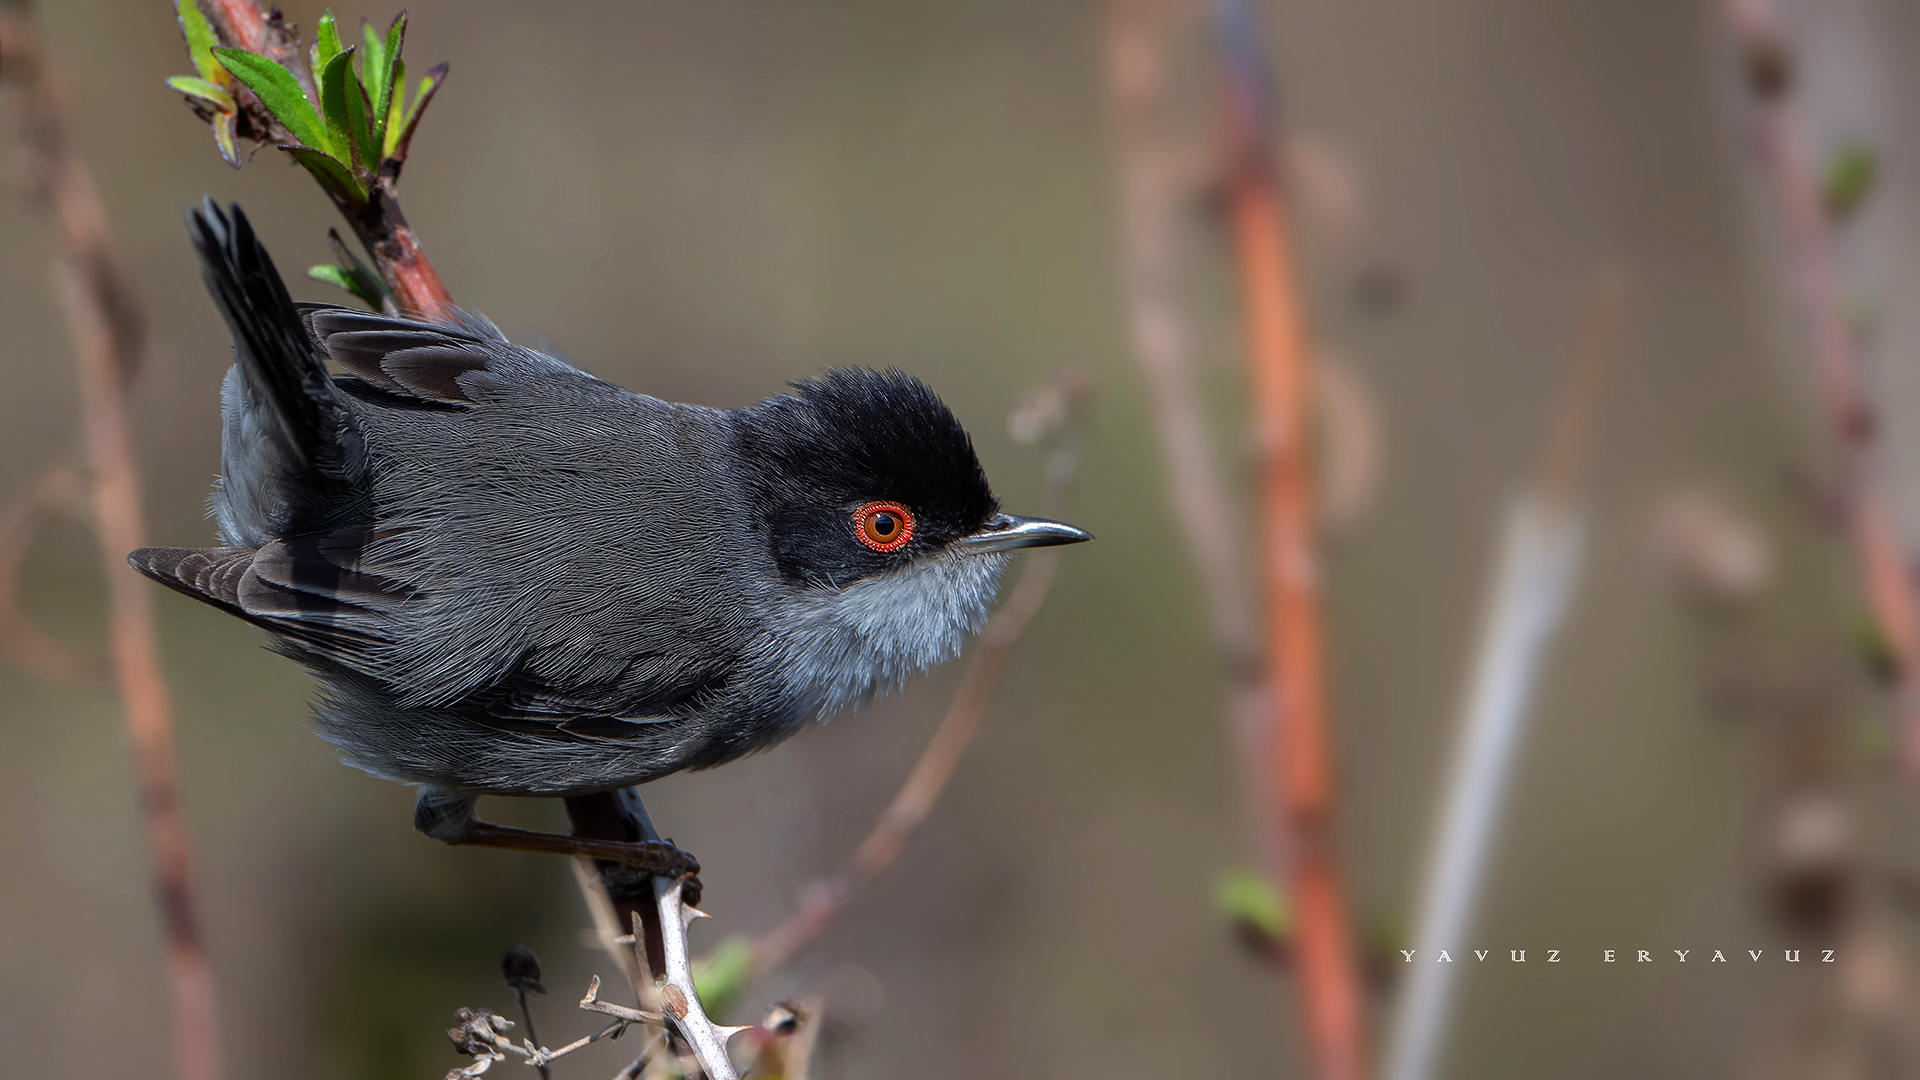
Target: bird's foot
(452, 818)
(657, 857)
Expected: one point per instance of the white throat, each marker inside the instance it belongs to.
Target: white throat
(842, 646)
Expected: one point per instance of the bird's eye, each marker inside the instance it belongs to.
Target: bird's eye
(883, 526)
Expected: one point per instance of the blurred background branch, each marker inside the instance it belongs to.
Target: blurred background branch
(1161, 177)
(1299, 748)
(1276, 699)
(106, 330)
(1832, 347)
(1535, 574)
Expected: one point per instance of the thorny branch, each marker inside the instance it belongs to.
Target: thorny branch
(654, 954)
(678, 997)
(1051, 414)
(1885, 579)
(780, 1047)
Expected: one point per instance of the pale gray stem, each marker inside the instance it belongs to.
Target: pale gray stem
(678, 998)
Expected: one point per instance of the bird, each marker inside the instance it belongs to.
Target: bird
(510, 577)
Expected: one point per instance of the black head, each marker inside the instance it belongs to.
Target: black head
(852, 439)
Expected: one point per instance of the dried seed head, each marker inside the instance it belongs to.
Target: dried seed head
(521, 969)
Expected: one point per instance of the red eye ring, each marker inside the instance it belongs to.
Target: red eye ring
(883, 525)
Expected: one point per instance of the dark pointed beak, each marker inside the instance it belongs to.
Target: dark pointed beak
(1004, 532)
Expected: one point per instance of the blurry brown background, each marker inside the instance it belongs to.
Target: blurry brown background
(701, 201)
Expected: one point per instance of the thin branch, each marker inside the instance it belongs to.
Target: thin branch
(607, 931)
(1159, 183)
(826, 899)
(1537, 568)
(104, 325)
(482, 1035)
(1834, 352)
(1300, 753)
(655, 953)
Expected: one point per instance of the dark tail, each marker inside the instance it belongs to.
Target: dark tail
(283, 370)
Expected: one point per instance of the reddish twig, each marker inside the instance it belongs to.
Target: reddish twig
(1276, 694)
(105, 328)
(826, 899)
(1300, 751)
(379, 224)
(1884, 576)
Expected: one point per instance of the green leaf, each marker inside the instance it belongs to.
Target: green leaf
(346, 109)
(210, 92)
(201, 41)
(277, 90)
(396, 105)
(223, 137)
(428, 87)
(1247, 896)
(326, 44)
(225, 113)
(381, 70)
(332, 275)
(373, 66)
(719, 976)
(1851, 176)
(367, 284)
(335, 177)
(356, 279)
